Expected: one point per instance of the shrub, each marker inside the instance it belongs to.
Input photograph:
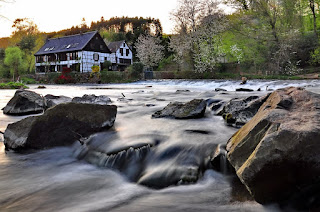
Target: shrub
(12, 85)
(28, 80)
(113, 77)
(135, 70)
(65, 77)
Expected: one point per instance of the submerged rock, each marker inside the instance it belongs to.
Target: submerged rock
(276, 154)
(175, 165)
(52, 100)
(238, 112)
(92, 99)
(220, 89)
(25, 102)
(59, 126)
(193, 109)
(244, 89)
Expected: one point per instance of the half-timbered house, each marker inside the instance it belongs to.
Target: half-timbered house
(79, 52)
(122, 55)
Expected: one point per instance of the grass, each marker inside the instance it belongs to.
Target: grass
(12, 85)
(28, 80)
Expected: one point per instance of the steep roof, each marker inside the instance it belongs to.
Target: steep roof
(114, 46)
(66, 44)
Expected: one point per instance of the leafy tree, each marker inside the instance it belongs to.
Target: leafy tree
(149, 50)
(13, 59)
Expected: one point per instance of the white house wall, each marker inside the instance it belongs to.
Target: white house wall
(86, 60)
(124, 56)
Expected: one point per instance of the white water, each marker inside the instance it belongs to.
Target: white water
(54, 180)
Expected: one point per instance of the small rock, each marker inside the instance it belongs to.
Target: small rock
(41, 87)
(92, 99)
(150, 105)
(220, 89)
(193, 109)
(182, 91)
(244, 89)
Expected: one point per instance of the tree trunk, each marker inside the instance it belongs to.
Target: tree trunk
(312, 7)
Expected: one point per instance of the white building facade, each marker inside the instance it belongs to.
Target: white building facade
(79, 53)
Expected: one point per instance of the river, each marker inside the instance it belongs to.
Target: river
(55, 180)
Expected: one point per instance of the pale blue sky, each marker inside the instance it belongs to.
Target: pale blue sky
(56, 15)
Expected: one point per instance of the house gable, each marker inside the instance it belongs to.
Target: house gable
(96, 44)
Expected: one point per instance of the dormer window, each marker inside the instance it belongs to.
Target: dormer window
(51, 48)
(68, 46)
(46, 49)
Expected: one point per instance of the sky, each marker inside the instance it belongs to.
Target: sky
(55, 15)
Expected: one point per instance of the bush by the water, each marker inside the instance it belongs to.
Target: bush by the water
(28, 80)
(113, 77)
(135, 70)
(12, 85)
(65, 77)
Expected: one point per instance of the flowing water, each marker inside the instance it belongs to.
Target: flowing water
(65, 179)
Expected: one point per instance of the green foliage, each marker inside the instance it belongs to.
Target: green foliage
(111, 35)
(164, 63)
(14, 60)
(28, 80)
(12, 85)
(107, 65)
(135, 70)
(113, 77)
(52, 77)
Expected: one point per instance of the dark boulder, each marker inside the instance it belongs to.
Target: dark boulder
(276, 154)
(52, 100)
(25, 102)
(237, 112)
(59, 126)
(92, 99)
(193, 109)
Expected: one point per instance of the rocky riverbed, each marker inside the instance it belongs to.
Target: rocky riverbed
(162, 151)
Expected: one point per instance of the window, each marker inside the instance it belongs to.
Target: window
(46, 49)
(121, 51)
(127, 52)
(124, 44)
(68, 46)
(95, 56)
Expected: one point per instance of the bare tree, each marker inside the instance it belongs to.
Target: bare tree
(149, 50)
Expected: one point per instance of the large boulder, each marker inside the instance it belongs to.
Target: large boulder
(59, 126)
(238, 112)
(25, 102)
(52, 100)
(193, 109)
(276, 154)
(92, 99)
